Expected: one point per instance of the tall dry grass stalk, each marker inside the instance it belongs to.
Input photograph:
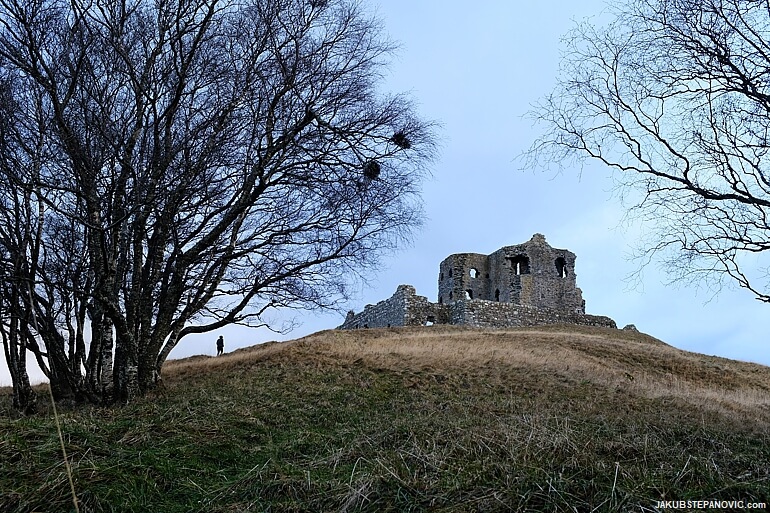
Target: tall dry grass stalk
(67, 466)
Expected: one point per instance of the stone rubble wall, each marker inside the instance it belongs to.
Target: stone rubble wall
(492, 314)
(403, 308)
(406, 308)
(390, 312)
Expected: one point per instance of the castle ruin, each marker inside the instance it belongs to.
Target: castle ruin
(527, 284)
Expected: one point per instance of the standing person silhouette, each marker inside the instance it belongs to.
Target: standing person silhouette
(220, 345)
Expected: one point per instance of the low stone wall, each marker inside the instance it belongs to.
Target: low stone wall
(493, 314)
(406, 308)
(420, 311)
(390, 312)
(403, 308)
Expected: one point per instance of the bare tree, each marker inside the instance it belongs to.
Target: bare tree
(196, 164)
(675, 95)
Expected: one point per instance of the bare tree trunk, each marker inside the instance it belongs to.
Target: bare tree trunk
(99, 364)
(24, 398)
(126, 368)
(105, 374)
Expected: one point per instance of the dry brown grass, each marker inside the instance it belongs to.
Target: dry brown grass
(632, 363)
(450, 419)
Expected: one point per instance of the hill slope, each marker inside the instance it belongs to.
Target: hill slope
(413, 419)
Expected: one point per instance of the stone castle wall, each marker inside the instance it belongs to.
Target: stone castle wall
(403, 308)
(527, 284)
(406, 308)
(492, 314)
(532, 273)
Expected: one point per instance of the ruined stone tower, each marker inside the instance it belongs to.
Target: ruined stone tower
(528, 284)
(531, 274)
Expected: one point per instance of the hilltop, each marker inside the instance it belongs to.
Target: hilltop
(558, 418)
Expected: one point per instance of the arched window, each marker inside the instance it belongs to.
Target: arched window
(469, 294)
(440, 300)
(473, 272)
(497, 294)
(561, 267)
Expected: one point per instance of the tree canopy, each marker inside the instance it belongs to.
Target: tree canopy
(675, 96)
(170, 167)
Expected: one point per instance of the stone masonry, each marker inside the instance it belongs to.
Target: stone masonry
(527, 284)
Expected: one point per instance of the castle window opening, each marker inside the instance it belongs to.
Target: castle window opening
(469, 294)
(441, 276)
(473, 272)
(561, 267)
(450, 296)
(497, 294)
(430, 321)
(440, 300)
(520, 265)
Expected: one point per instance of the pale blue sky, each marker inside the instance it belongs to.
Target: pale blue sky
(477, 68)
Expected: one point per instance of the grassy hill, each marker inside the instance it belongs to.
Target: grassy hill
(412, 419)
